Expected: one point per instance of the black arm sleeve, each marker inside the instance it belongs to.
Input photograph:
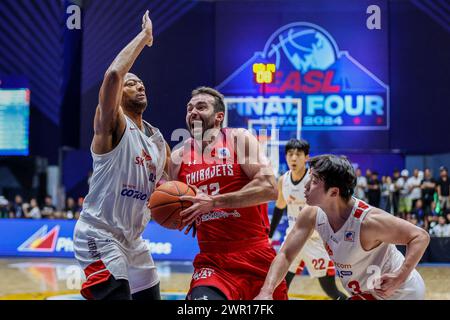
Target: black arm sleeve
(276, 217)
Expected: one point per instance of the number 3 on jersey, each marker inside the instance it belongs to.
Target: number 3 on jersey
(354, 286)
(211, 189)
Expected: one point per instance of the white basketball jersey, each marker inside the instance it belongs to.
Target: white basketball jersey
(356, 267)
(122, 181)
(294, 195)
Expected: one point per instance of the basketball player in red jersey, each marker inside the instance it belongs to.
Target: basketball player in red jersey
(234, 182)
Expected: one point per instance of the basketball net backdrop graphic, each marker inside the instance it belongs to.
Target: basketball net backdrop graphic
(262, 124)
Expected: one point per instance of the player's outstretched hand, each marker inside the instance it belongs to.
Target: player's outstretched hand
(147, 27)
(201, 203)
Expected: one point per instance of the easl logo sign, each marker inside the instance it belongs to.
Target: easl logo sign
(337, 92)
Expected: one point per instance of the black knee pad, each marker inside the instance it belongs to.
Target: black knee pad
(289, 277)
(112, 289)
(328, 284)
(206, 293)
(152, 293)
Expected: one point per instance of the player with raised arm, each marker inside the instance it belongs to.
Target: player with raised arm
(129, 157)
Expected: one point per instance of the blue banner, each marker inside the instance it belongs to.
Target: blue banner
(54, 238)
(312, 68)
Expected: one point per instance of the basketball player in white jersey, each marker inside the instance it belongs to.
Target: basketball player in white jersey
(291, 194)
(129, 158)
(360, 239)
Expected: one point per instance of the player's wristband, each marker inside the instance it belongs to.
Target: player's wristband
(276, 217)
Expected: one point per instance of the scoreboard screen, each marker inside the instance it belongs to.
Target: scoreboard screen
(14, 121)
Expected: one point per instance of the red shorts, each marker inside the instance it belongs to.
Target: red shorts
(239, 275)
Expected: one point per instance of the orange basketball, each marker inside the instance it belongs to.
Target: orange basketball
(165, 204)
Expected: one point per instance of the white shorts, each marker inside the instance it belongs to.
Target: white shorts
(412, 289)
(315, 258)
(100, 255)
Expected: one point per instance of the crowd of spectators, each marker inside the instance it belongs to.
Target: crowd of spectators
(419, 198)
(32, 209)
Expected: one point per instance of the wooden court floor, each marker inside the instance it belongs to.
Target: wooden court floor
(49, 278)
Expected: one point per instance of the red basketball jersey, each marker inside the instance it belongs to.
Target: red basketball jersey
(217, 171)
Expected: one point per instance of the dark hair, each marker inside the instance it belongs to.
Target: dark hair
(219, 104)
(299, 144)
(336, 172)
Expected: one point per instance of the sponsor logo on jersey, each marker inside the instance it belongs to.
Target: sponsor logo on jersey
(291, 199)
(219, 215)
(134, 194)
(349, 236)
(145, 160)
(342, 266)
(92, 248)
(203, 273)
(334, 239)
(223, 153)
(344, 273)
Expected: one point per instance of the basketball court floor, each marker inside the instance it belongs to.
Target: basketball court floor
(60, 279)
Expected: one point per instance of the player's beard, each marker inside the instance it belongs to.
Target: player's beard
(207, 124)
(136, 106)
